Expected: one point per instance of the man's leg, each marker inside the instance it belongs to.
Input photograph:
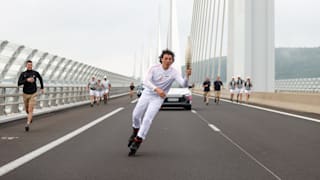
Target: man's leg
(26, 103)
(207, 97)
(91, 93)
(247, 96)
(106, 96)
(137, 115)
(98, 97)
(26, 99)
(152, 110)
(31, 103)
(91, 100)
(238, 93)
(139, 110)
(30, 114)
(215, 96)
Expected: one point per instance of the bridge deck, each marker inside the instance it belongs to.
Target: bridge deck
(251, 144)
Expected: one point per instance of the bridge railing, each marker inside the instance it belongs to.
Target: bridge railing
(65, 80)
(11, 100)
(307, 85)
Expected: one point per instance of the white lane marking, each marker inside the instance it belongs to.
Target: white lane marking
(202, 118)
(28, 157)
(214, 127)
(134, 101)
(272, 110)
(250, 156)
(283, 113)
(8, 138)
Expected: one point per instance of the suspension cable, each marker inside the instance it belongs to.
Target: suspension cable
(216, 37)
(221, 42)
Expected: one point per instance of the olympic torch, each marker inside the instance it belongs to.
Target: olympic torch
(188, 54)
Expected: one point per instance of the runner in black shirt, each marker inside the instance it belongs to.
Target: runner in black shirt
(28, 79)
(217, 90)
(206, 88)
(131, 89)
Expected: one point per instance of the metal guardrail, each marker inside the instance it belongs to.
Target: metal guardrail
(11, 100)
(64, 79)
(307, 85)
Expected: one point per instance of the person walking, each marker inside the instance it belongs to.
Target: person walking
(206, 90)
(131, 89)
(28, 79)
(99, 92)
(239, 89)
(157, 83)
(92, 86)
(106, 88)
(232, 88)
(217, 89)
(247, 88)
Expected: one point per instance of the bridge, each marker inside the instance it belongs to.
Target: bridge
(274, 136)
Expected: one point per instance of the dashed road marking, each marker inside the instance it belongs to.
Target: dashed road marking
(28, 157)
(134, 101)
(216, 129)
(8, 138)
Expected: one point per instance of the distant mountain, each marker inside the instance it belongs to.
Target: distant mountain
(290, 63)
(297, 63)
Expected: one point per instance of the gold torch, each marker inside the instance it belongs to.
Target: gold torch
(188, 55)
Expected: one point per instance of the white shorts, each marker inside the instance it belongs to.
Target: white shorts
(239, 91)
(99, 93)
(92, 92)
(247, 91)
(232, 91)
(106, 91)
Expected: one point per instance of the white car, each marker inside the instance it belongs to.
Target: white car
(178, 97)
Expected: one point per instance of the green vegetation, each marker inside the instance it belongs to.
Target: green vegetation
(290, 63)
(297, 63)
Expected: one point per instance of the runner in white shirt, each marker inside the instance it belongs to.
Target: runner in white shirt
(92, 85)
(99, 92)
(239, 89)
(247, 88)
(106, 86)
(232, 88)
(157, 84)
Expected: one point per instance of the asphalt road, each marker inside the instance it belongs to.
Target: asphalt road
(225, 141)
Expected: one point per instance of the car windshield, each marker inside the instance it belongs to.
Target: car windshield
(176, 85)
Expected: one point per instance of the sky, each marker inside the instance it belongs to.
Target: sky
(110, 34)
(297, 23)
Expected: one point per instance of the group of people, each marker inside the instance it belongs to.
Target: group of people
(157, 83)
(239, 86)
(98, 90)
(217, 85)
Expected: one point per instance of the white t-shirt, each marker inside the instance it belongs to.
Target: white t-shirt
(105, 84)
(92, 84)
(161, 78)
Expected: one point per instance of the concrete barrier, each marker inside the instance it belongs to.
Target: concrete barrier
(292, 101)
